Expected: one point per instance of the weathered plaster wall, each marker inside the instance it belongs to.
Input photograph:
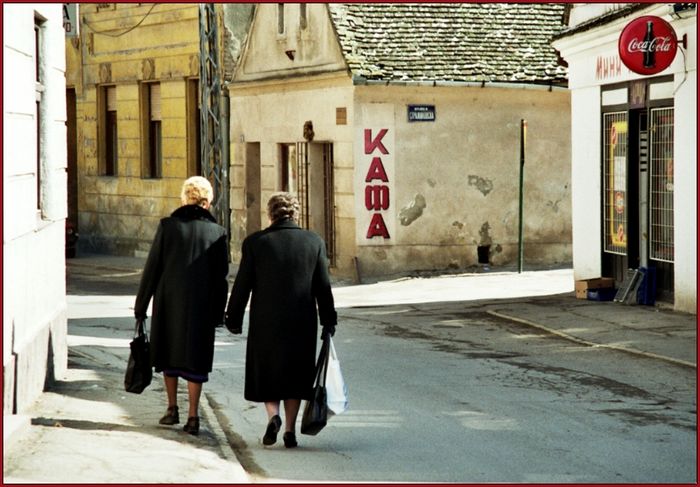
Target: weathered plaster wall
(451, 185)
(454, 182)
(119, 214)
(456, 179)
(272, 113)
(296, 50)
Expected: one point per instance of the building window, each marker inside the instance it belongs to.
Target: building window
(615, 182)
(39, 88)
(151, 136)
(302, 16)
(194, 131)
(280, 18)
(661, 185)
(107, 126)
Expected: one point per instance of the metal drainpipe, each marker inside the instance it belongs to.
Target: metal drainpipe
(226, 155)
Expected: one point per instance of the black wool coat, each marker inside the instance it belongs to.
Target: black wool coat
(286, 270)
(185, 274)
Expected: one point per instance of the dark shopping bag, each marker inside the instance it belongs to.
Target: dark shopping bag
(138, 370)
(315, 414)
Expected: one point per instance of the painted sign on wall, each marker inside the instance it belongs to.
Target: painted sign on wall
(607, 67)
(377, 192)
(374, 175)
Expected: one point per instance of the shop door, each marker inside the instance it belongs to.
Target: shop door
(661, 222)
(621, 165)
(638, 195)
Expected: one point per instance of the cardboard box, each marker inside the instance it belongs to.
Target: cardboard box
(584, 285)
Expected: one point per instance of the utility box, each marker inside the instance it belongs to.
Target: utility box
(584, 285)
(601, 294)
(646, 294)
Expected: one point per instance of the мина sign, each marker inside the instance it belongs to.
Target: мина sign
(648, 45)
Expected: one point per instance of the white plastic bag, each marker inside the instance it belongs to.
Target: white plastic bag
(336, 390)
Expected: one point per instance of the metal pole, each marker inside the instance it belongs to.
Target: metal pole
(226, 161)
(213, 168)
(523, 133)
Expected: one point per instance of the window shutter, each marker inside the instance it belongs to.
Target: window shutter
(111, 98)
(154, 91)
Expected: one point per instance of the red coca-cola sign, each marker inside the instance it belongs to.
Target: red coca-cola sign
(648, 45)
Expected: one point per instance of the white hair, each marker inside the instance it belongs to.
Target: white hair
(197, 190)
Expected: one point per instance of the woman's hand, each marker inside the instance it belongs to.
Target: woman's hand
(233, 328)
(328, 330)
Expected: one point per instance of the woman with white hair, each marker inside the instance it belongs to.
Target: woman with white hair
(286, 270)
(185, 274)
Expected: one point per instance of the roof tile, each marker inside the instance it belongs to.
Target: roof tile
(451, 41)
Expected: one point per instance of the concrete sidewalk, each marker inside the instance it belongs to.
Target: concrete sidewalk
(545, 301)
(647, 331)
(86, 429)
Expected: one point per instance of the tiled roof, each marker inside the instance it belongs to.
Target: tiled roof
(489, 42)
(623, 11)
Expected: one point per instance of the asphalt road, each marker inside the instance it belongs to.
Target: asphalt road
(444, 392)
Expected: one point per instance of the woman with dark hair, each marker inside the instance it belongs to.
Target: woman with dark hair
(185, 274)
(285, 269)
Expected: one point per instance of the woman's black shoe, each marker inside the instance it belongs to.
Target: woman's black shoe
(192, 425)
(290, 439)
(273, 427)
(171, 416)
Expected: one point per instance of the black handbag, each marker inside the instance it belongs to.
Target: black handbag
(315, 414)
(138, 370)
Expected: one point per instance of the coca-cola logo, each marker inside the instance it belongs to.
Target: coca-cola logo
(657, 44)
(648, 45)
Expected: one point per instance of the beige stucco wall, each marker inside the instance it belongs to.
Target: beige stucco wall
(275, 112)
(312, 50)
(465, 166)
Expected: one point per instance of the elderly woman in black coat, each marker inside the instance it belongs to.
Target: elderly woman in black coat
(185, 274)
(286, 270)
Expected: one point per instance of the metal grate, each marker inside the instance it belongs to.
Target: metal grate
(329, 203)
(615, 182)
(661, 185)
(302, 181)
